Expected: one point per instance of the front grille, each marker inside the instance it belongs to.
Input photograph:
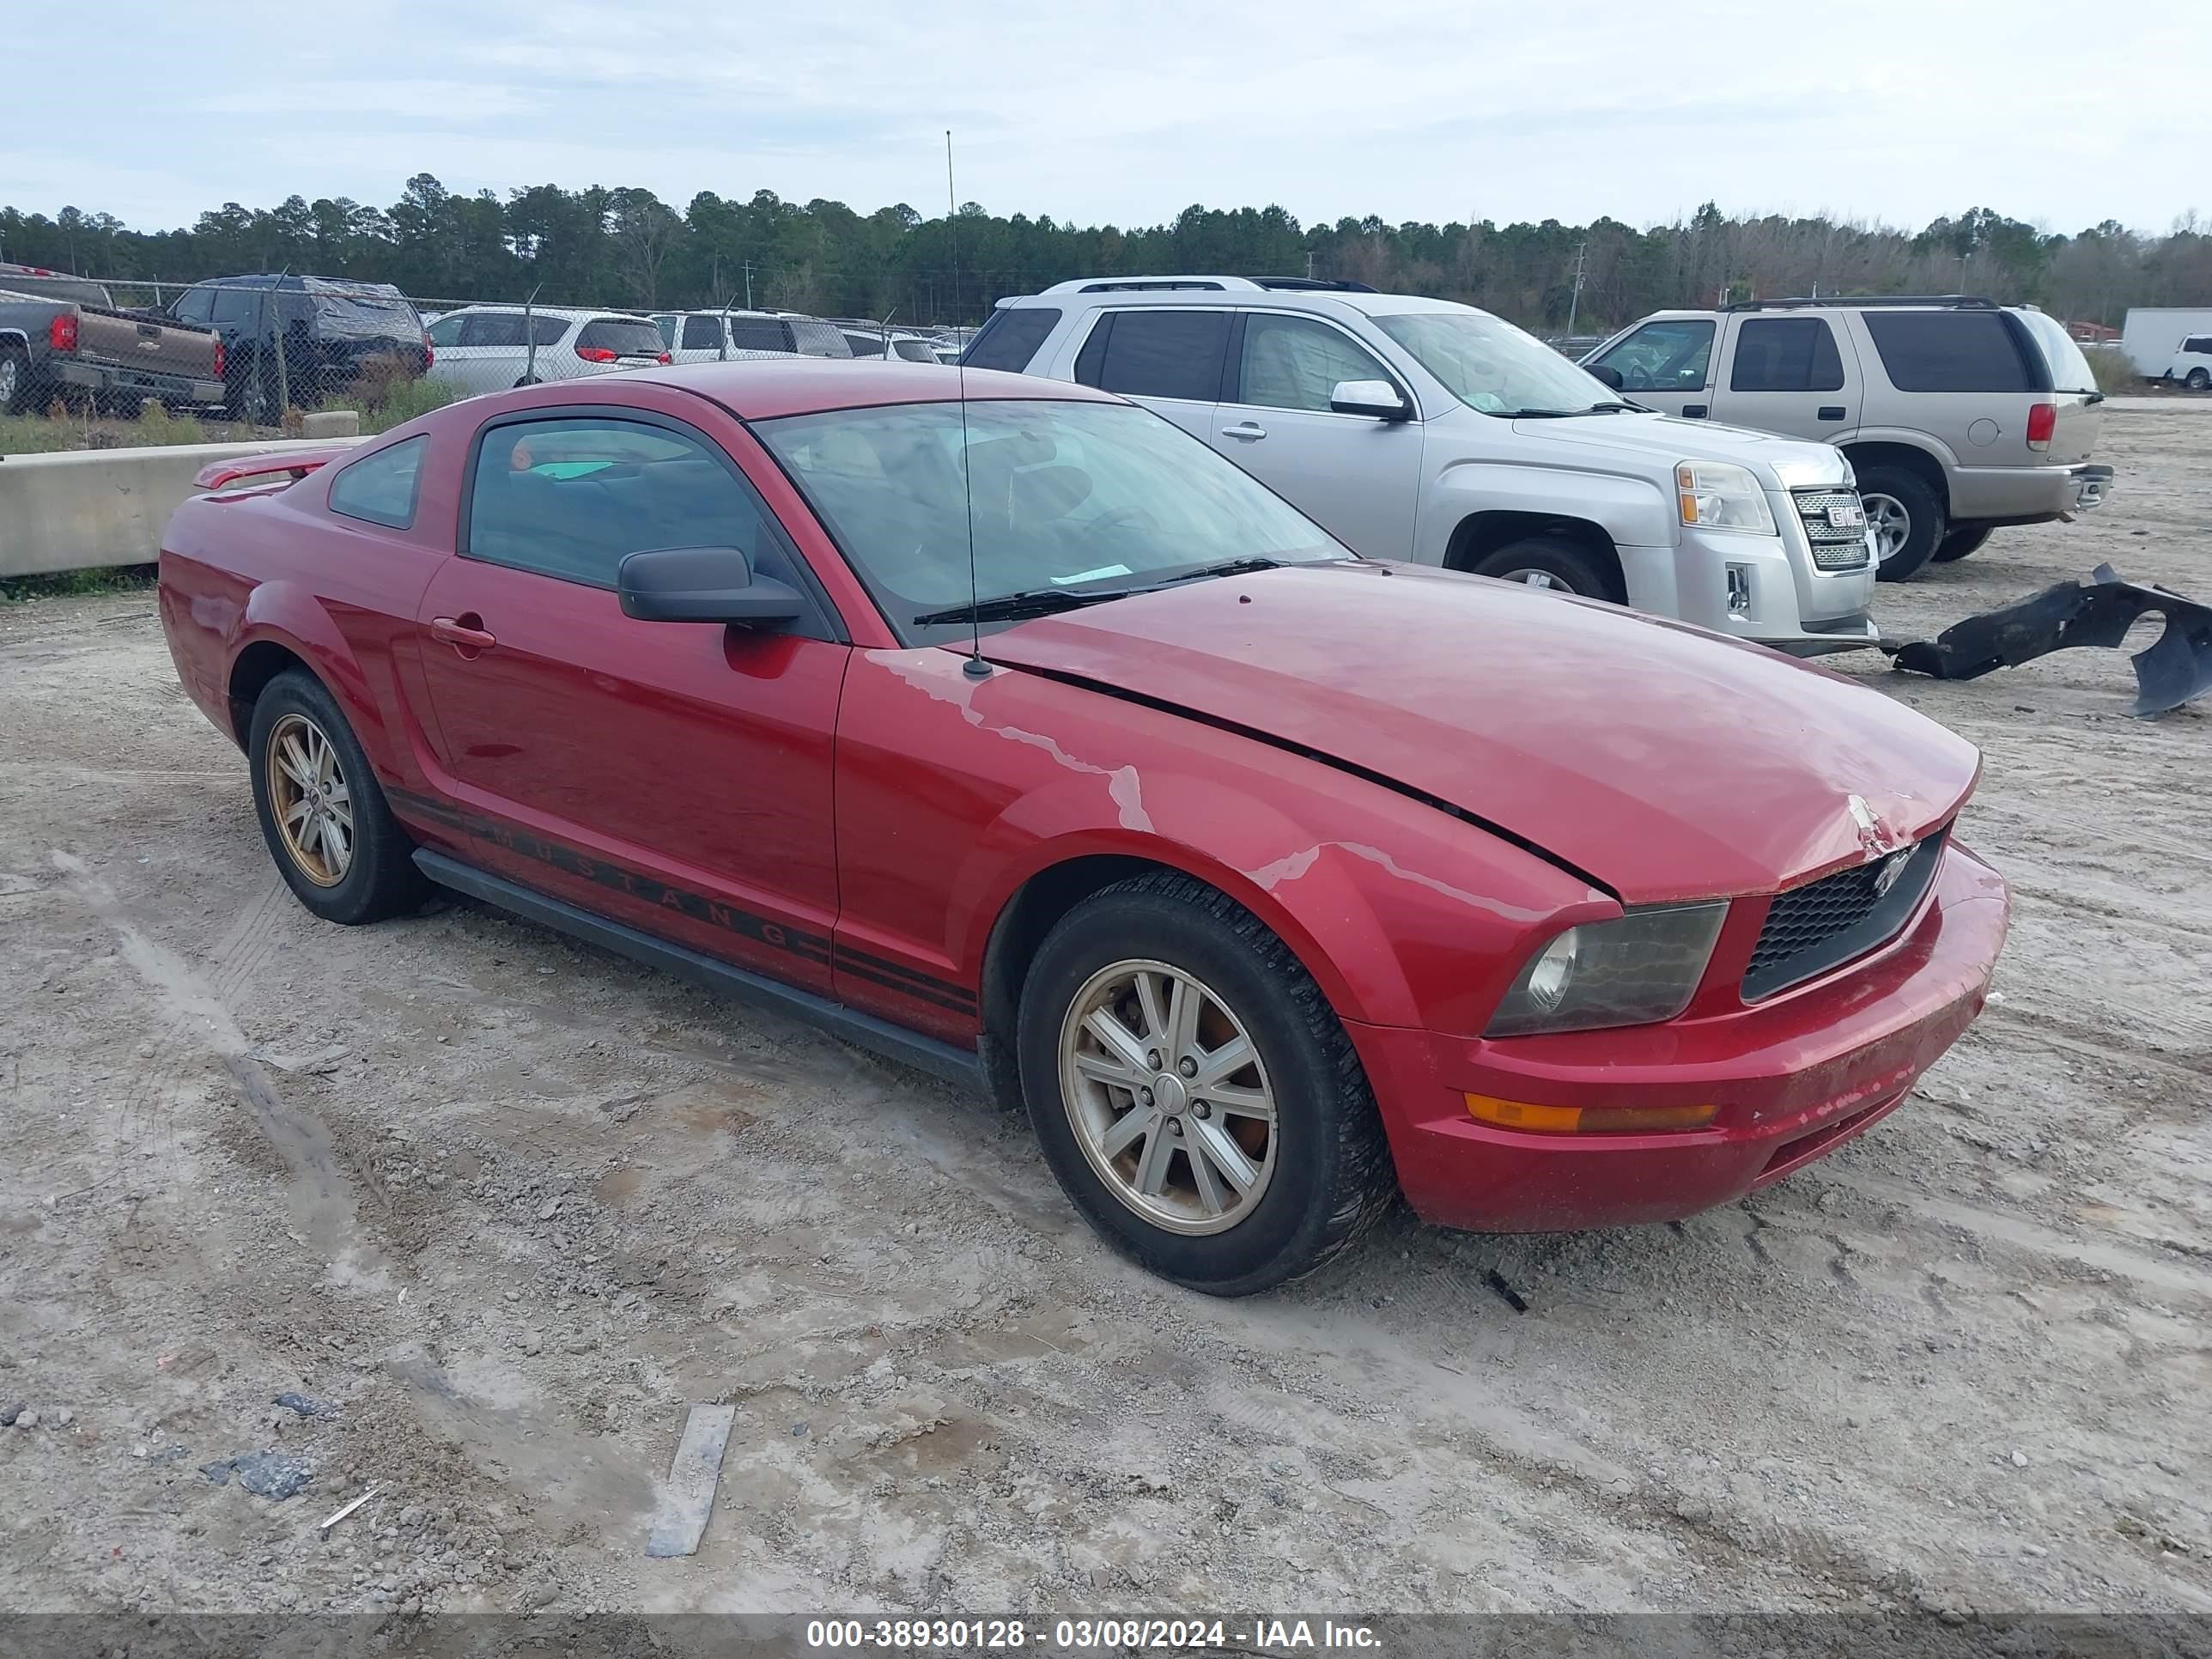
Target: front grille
(1834, 547)
(1825, 923)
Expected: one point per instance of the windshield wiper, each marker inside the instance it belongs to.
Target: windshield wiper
(1226, 567)
(1563, 414)
(1030, 602)
(1045, 601)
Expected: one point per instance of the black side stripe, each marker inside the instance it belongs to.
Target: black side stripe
(807, 945)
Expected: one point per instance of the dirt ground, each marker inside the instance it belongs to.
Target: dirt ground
(505, 1205)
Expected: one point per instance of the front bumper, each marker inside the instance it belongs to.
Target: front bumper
(1765, 589)
(1794, 1077)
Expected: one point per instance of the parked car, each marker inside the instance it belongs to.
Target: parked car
(1271, 879)
(1958, 416)
(491, 348)
(1420, 429)
(2192, 362)
(899, 345)
(337, 336)
(705, 336)
(63, 337)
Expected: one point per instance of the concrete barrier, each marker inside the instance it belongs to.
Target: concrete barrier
(82, 509)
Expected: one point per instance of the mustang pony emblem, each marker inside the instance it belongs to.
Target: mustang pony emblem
(1875, 835)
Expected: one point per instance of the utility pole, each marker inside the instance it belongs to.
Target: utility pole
(1310, 264)
(1575, 300)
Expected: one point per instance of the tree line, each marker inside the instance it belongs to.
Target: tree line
(626, 246)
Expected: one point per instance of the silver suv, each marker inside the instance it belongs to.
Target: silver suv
(1960, 415)
(1422, 430)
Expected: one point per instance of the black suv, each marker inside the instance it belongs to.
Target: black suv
(337, 337)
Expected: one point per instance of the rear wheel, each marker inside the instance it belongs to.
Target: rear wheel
(1906, 517)
(1548, 561)
(2198, 379)
(334, 839)
(14, 380)
(1195, 1093)
(1960, 540)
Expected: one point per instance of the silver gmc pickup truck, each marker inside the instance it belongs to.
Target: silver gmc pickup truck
(64, 337)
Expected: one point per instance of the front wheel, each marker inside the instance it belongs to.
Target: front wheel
(322, 811)
(1906, 519)
(1548, 561)
(1194, 1092)
(1960, 540)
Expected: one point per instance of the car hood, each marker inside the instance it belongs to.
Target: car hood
(1788, 463)
(1663, 762)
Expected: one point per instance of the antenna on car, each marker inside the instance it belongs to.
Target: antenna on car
(974, 668)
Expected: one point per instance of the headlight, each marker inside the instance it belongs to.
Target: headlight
(1631, 970)
(1722, 495)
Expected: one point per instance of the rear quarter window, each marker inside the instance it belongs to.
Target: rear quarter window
(380, 489)
(1010, 338)
(1948, 351)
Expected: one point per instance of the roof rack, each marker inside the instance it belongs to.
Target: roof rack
(1955, 301)
(1151, 285)
(1313, 283)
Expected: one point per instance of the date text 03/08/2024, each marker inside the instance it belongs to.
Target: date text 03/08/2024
(1076, 1635)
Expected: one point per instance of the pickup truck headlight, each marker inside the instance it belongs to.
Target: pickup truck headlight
(1637, 967)
(1722, 495)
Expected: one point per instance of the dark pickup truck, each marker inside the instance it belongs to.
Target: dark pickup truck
(64, 337)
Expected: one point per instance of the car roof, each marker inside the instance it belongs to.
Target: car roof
(763, 388)
(569, 314)
(1242, 293)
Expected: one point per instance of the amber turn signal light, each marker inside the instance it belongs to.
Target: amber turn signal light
(1586, 1120)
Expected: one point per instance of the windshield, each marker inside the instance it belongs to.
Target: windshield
(1493, 366)
(1067, 497)
(2070, 369)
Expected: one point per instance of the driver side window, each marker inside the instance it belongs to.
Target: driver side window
(1665, 356)
(1294, 362)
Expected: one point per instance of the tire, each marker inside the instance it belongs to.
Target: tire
(1894, 495)
(377, 877)
(1316, 1174)
(528, 380)
(1961, 539)
(2198, 379)
(1548, 562)
(14, 380)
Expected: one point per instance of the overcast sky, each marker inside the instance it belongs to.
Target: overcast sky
(2052, 111)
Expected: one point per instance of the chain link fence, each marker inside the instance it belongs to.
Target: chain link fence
(240, 355)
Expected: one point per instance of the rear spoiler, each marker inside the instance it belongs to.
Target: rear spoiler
(222, 475)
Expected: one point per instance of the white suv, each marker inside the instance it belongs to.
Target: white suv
(491, 348)
(1422, 430)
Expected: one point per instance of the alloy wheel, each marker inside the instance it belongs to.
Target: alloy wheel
(309, 799)
(1889, 524)
(1538, 579)
(1168, 1096)
(11, 380)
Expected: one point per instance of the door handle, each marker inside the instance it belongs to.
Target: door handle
(1694, 412)
(459, 633)
(1247, 430)
(1829, 412)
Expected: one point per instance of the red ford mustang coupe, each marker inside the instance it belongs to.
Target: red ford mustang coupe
(1272, 880)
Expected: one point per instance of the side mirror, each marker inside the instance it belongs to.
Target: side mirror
(1377, 397)
(702, 584)
(1608, 377)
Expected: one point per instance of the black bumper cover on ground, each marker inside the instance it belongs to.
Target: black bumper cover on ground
(2099, 611)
